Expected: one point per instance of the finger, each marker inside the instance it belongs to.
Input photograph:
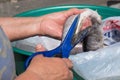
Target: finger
(86, 23)
(68, 63)
(39, 47)
(70, 75)
(73, 11)
(37, 58)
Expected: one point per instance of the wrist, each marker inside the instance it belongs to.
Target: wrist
(38, 28)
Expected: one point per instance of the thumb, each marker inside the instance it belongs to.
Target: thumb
(68, 63)
(37, 58)
(39, 47)
(73, 11)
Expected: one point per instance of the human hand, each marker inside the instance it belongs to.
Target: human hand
(48, 25)
(43, 68)
(51, 68)
(52, 24)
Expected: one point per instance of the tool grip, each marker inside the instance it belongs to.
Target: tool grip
(50, 53)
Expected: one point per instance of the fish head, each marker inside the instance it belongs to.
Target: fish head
(86, 21)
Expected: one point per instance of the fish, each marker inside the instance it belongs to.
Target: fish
(94, 40)
(89, 19)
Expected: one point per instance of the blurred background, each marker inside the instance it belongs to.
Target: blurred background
(12, 7)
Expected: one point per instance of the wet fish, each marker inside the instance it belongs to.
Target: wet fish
(94, 39)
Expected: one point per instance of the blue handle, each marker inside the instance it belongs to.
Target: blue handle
(50, 53)
(67, 44)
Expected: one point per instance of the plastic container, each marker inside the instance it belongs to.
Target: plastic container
(21, 55)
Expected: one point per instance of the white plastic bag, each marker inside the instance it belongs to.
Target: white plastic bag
(29, 44)
(103, 64)
(111, 30)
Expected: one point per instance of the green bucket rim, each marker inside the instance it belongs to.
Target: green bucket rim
(65, 7)
(56, 9)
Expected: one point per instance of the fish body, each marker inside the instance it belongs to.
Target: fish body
(94, 39)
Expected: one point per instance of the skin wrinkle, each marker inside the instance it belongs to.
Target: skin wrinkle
(2, 71)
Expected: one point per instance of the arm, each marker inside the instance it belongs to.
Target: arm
(48, 25)
(18, 28)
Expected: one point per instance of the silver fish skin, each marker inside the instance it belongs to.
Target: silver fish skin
(94, 39)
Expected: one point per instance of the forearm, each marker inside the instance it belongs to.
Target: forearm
(18, 28)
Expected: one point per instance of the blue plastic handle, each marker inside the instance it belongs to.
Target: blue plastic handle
(50, 53)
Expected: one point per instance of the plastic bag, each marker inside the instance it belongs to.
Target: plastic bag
(103, 64)
(111, 30)
(29, 44)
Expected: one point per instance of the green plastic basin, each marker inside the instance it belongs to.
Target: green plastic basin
(21, 55)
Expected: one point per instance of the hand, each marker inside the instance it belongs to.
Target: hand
(43, 68)
(52, 24)
(51, 68)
